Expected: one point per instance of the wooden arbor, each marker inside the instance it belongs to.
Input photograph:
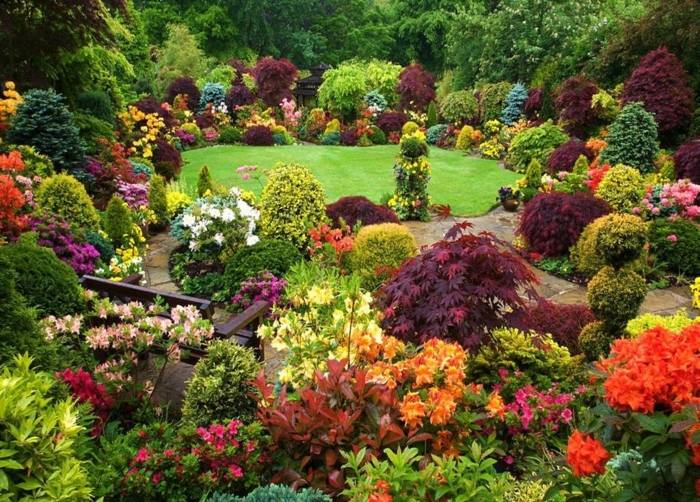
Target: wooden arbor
(307, 88)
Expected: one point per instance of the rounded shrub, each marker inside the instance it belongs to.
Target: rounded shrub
(492, 99)
(220, 389)
(676, 244)
(213, 93)
(413, 147)
(118, 221)
(409, 128)
(259, 135)
(274, 256)
(622, 187)
(93, 131)
(167, 159)
(687, 161)
(65, 196)
(464, 139)
(379, 250)
(185, 86)
(391, 121)
(621, 239)
(97, 104)
(573, 104)
(565, 156)
(358, 209)
(536, 143)
(46, 282)
(44, 122)
(274, 493)
(552, 222)
(348, 136)
(632, 139)
(459, 107)
(101, 243)
(435, 133)
(595, 340)
(228, 135)
(377, 136)
(615, 296)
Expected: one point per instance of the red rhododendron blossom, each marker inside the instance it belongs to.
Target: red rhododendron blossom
(586, 455)
(12, 162)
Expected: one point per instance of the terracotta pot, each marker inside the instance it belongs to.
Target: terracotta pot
(510, 205)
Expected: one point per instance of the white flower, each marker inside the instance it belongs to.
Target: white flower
(214, 212)
(252, 239)
(188, 220)
(219, 239)
(227, 215)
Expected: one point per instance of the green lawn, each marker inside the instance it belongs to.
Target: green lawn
(469, 185)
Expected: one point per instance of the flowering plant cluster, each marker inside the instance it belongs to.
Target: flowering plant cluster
(55, 233)
(141, 130)
(220, 457)
(218, 224)
(264, 287)
(331, 246)
(291, 114)
(412, 172)
(695, 289)
(86, 390)
(8, 105)
(670, 199)
(13, 198)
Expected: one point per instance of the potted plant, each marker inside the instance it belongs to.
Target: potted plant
(509, 198)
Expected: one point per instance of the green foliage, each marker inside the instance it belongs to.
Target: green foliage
(65, 196)
(622, 188)
(118, 221)
(35, 163)
(535, 143)
(343, 89)
(92, 129)
(621, 239)
(205, 183)
(615, 296)
(377, 136)
(222, 74)
(44, 122)
(459, 107)
(274, 493)
(633, 139)
(538, 357)
(180, 56)
(157, 199)
(432, 115)
(46, 282)
(40, 438)
(595, 340)
(492, 99)
(219, 389)
(533, 180)
(96, 103)
(527, 491)
(228, 135)
(291, 203)
(678, 254)
(271, 255)
(674, 322)
(514, 105)
(379, 250)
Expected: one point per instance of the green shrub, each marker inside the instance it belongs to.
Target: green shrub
(539, 357)
(46, 282)
(527, 491)
(533, 180)
(157, 199)
(97, 104)
(615, 296)
(622, 188)
(459, 107)
(379, 250)
(92, 130)
(228, 135)
(595, 340)
(633, 139)
(103, 245)
(621, 239)
(220, 389)
(413, 147)
(205, 183)
(432, 115)
(676, 245)
(44, 122)
(535, 143)
(274, 493)
(492, 99)
(291, 203)
(274, 256)
(435, 133)
(40, 438)
(34, 162)
(65, 196)
(377, 136)
(118, 221)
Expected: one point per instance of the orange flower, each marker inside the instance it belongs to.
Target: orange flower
(443, 406)
(496, 407)
(12, 162)
(412, 410)
(586, 455)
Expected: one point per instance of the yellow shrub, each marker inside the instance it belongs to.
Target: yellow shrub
(409, 128)
(380, 249)
(332, 126)
(465, 138)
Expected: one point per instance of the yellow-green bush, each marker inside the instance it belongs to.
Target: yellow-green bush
(674, 322)
(621, 239)
(332, 126)
(595, 340)
(464, 139)
(409, 128)
(615, 296)
(527, 491)
(291, 203)
(118, 221)
(65, 196)
(379, 249)
(622, 187)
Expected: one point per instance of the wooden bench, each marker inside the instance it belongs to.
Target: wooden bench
(242, 328)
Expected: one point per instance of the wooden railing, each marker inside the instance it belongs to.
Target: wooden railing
(241, 328)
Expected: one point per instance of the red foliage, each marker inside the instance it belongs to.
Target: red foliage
(86, 390)
(661, 83)
(12, 162)
(533, 103)
(416, 88)
(357, 208)
(563, 322)
(687, 160)
(552, 222)
(259, 135)
(11, 201)
(185, 86)
(273, 78)
(391, 121)
(566, 154)
(596, 175)
(460, 288)
(238, 95)
(573, 104)
(340, 411)
(348, 136)
(167, 159)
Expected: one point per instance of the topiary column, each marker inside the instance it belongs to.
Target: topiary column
(616, 292)
(412, 170)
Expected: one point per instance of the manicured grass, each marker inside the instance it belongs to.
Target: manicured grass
(469, 185)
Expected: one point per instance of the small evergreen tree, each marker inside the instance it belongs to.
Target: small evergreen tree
(432, 114)
(204, 182)
(633, 139)
(118, 221)
(515, 103)
(157, 199)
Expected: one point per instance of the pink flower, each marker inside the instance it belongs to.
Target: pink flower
(672, 238)
(655, 211)
(635, 210)
(567, 415)
(157, 476)
(235, 471)
(142, 456)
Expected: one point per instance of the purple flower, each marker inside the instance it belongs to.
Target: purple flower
(134, 194)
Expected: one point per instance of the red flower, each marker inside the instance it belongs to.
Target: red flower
(586, 455)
